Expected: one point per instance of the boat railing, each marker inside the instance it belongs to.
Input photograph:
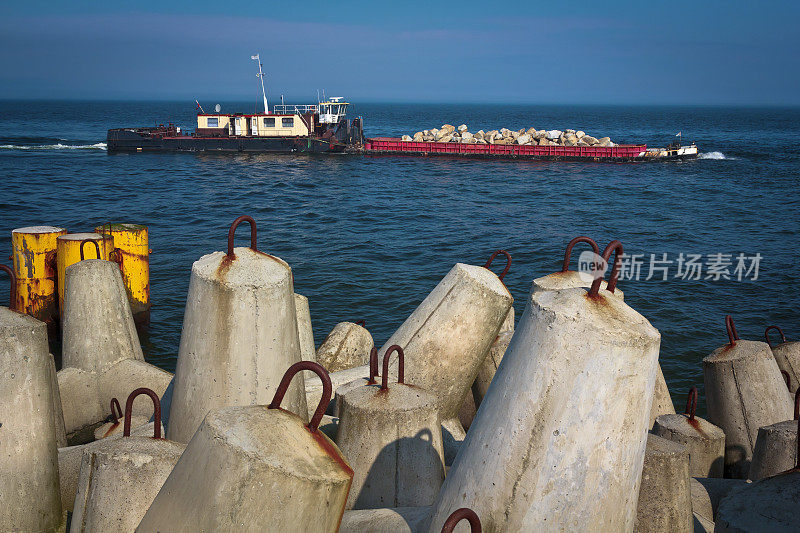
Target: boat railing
(288, 109)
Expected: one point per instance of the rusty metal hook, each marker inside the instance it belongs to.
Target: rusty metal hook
(361, 323)
(96, 247)
(731, 327)
(779, 330)
(126, 429)
(459, 515)
(373, 365)
(400, 366)
(614, 247)
(691, 403)
(12, 297)
(114, 417)
(568, 254)
(787, 379)
(508, 263)
(326, 390)
(232, 231)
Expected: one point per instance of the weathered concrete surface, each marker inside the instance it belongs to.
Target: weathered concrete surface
(701, 502)
(787, 355)
(110, 428)
(305, 332)
(766, 505)
(702, 524)
(466, 413)
(665, 503)
(704, 441)
(571, 279)
(775, 451)
(397, 520)
(662, 402)
(253, 469)
(29, 489)
(239, 337)
(97, 324)
(393, 441)
(489, 367)
(58, 411)
(329, 426)
(80, 398)
(707, 493)
(117, 484)
(346, 346)
(69, 461)
(453, 436)
(559, 440)
(338, 379)
(447, 337)
(744, 391)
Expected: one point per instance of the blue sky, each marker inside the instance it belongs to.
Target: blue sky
(599, 52)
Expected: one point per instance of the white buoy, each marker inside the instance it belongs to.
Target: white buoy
(744, 391)
(29, 490)
(239, 334)
(559, 440)
(392, 438)
(787, 355)
(256, 468)
(118, 482)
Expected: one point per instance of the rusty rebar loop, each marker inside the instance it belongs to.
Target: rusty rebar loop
(12, 281)
(96, 247)
(776, 328)
(126, 429)
(400, 366)
(373, 365)
(232, 232)
(459, 515)
(326, 390)
(731, 327)
(114, 416)
(508, 263)
(691, 403)
(614, 247)
(797, 404)
(568, 254)
(362, 323)
(787, 379)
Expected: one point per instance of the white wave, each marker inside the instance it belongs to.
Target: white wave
(59, 146)
(712, 155)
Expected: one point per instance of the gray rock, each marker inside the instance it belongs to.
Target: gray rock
(524, 139)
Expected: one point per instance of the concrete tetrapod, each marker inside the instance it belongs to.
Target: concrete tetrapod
(559, 440)
(346, 346)
(305, 333)
(704, 441)
(256, 468)
(744, 391)
(340, 391)
(114, 426)
(397, 520)
(787, 355)
(239, 334)
(58, 410)
(449, 334)
(29, 490)
(392, 438)
(708, 492)
(118, 482)
(665, 503)
(774, 452)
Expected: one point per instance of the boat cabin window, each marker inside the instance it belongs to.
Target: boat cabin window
(269, 122)
(212, 122)
(287, 122)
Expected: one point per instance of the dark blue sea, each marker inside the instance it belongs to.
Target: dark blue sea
(369, 237)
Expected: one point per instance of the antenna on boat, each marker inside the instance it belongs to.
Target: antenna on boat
(261, 75)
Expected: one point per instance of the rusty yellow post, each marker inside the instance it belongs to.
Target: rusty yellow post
(68, 252)
(33, 252)
(133, 254)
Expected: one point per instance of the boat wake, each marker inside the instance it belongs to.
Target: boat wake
(713, 155)
(57, 146)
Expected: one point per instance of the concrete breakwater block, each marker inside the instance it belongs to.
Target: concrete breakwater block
(314, 386)
(559, 440)
(766, 505)
(391, 436)
(707, 493)
(744, 391)
(775, 450)
(787, 355)
(256, 468)
(29, 486)
(704, 441)
(447, 337)
(346, 346)
(58, 410)
(305, 333)
(665, 503)
(239, 335)
(396, 520)
(118, 482)
(662, 401)
(370, 379)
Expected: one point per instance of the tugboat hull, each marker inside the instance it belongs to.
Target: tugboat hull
(134, 140)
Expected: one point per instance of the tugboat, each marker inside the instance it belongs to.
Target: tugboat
(320, 127)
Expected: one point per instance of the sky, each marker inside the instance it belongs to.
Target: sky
(579, 52)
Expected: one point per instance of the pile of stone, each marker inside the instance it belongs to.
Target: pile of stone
(531, 137)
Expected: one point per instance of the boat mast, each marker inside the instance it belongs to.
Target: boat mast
(261, 75)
